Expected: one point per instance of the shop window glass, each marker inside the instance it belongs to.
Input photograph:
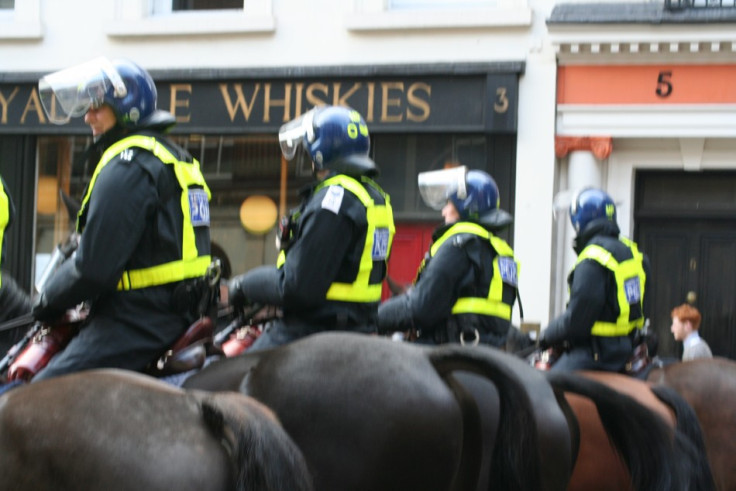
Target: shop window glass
(438, 4)
(401, 158)
(167, 6)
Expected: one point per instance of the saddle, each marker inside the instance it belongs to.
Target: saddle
(189, 352)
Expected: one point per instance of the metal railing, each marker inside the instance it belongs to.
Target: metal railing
(699, 4)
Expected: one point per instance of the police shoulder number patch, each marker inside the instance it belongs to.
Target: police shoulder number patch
(333, 199)
(507, 269)
(199, 207)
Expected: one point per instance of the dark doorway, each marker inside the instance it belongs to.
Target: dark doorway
(686, 223)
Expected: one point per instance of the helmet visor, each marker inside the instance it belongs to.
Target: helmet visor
(71, 92)
(562, 202)
(437, 186)
(293, 133)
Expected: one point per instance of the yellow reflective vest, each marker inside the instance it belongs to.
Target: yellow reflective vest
(195, 196)
(505, 270)
(378, 239)
(630, 287)
(4, 219)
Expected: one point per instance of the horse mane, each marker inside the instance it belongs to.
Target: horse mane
(526, 419)
(262, 453)
(688, 438)
(640, 437)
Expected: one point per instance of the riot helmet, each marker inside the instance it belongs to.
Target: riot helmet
(336, 138)
(126, 87)
(591, 204)
(474, 194)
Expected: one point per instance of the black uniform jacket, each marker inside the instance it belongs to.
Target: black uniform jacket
(593, 296)
(326, 247)
(134, 220)
(461, 267)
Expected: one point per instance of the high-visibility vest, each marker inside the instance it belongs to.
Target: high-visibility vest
(189, 175)
(630, 286)
(378, 239)
(4, 218)
(505, 270)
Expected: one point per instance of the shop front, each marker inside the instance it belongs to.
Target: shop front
(420, 118)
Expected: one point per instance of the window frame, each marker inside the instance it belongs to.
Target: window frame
(22, 21)
(136, 18)
(377, 15)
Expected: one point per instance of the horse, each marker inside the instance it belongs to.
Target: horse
(709, 386)
(114, 429)
(369, 413)
(364, 409)
(592, 397)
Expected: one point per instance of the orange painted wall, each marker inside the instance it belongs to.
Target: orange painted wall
(650, 84)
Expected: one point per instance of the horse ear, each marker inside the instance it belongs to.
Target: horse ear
(72, 206)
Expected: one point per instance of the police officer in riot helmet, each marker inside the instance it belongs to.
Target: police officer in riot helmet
(336, 246)
(608, 304)
(14, 302)
(466, 286)
(144, 222)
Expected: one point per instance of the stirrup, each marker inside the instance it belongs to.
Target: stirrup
(476, 338)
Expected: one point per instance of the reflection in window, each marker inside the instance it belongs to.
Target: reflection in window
(401, 158)
(168, 6)
(438, 4)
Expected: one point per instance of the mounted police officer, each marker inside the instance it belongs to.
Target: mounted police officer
(14, 302)
(466, 285)
(608, 302)
(336, 246)
(144, 222)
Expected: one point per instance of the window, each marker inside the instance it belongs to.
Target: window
(377, 15)
(165, 18)
(168, 6)
(438, 4)
(400, 158)
(20, 20)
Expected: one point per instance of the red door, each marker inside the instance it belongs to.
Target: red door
(411, 241)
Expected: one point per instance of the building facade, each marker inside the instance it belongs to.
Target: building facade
(646, 109)
(540, 95)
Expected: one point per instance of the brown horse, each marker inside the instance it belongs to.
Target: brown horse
(118, 430)
(369, 413)
(661, 413)
(709, 386)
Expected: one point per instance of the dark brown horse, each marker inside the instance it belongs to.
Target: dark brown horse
(605, 417)
(117, 430)
(369, 413)
(709, 386)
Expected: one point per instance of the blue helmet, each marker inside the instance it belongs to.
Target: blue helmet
(127, 88)
(591, 204)
(139, 101)
(480, 195)
(339, 140)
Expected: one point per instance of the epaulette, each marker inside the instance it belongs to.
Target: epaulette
(128, 154)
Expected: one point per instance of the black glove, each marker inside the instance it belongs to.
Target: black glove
(235, 294)
(543, 343)
(43, 311)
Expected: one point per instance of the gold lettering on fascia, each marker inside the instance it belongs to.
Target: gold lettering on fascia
(5, 101)
(398, 103)
(240, 101)
(33, 105)
(177, 101)
(268, 102)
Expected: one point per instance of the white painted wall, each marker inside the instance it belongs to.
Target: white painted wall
(45, 35)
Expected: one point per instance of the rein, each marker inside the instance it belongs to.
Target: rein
(22, 320)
